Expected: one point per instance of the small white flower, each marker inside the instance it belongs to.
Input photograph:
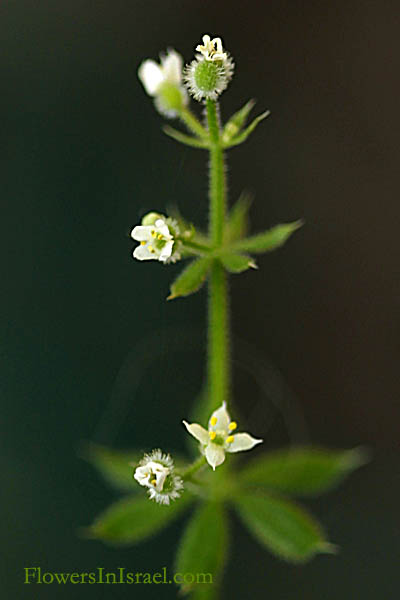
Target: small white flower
(156, 241)
(208, 75)
(164, 82)
(219, 438)
(156, 472)
(212, 49)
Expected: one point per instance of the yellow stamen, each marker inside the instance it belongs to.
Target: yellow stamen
(232, 426)
(153, 482)
(142, 243)
(213, 420)
(230, 439)
(153, 233)
(212, 435)
(160, 236)
(151, 249)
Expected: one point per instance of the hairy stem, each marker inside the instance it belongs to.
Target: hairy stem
(217, 176)
(218, 316)
(188, 473)
(192, 123)
(196, 247)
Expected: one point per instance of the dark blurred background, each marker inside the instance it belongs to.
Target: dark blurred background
(90, 349)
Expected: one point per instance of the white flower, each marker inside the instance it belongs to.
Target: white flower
(209, 74)
(212, 49)
(156, 241)
(164, 82)
(220, 437)
(156, 472)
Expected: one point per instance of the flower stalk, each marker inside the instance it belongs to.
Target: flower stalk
(218, 306)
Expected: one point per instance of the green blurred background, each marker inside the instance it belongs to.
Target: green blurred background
(90, 349)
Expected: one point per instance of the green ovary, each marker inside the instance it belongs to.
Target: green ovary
(206, 75)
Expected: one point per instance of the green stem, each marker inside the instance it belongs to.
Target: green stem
(217, 176)
(201, 248)
(192, 123)
(193, 468)
(218, 337)
(218, 318)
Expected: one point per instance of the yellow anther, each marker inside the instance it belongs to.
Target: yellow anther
(230, 439)
(153, 482)
(213, 420)
(142, 243)
(153, 233)
(212, 435)
(160, 236)
(151, 249)
(232, 426)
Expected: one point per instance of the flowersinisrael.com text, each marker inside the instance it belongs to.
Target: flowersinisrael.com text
(37, 575)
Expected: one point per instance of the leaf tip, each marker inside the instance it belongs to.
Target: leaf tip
(297, 224)
(86, 533)
(358, 457)
(264, 115)
(328, 548)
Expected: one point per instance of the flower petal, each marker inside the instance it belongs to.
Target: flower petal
(215, 455)
(172, 65)
(198, 432)
(242, 441)
(142, 233)
(143, 253)
(223, 419)
(162, 228)
(151, 76)
(166, 251)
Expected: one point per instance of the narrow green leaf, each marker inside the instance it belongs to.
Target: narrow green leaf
(237, 263)
(238, 220)
(206, 592)
(191, 279)
(302, 471)
(134, 519)
(268, 240)
(242, 137)
(183, 138)
(284, 528)
(203, 546)
(113, 465)
(237, 121)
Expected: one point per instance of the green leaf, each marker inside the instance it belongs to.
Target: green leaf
(238, 221)
(284, 528)
(191, 279)
(134, 519)
(242, 137)
(206, 592)
(203, 546)
(237, 263)
(269, 240)
(183, 138)
(113, 465)
(302, 471)
(237, 121)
